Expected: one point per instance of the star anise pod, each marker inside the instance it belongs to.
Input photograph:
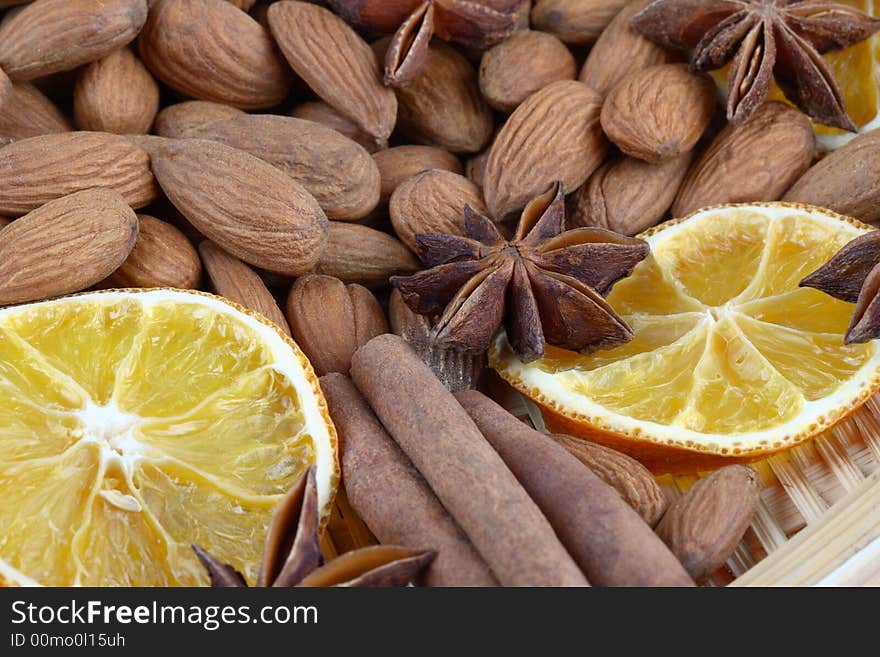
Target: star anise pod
(545, 285)
(292, 553)
(472, 23)
(853, 274)
(763, 39)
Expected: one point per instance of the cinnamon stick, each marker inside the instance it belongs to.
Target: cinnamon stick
(466, 474)
(390, 495)
(610, 541)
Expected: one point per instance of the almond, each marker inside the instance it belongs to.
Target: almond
(330, 320)
(210, 50)
(48, 36)
(432, 202)
(327, 116)
(704, 526)
(443, 105)
(244, 5)
(576, 22)
(554, 135)
(357, 254)
(5, 88)
(522, 64)
(659, 112)
(116, 94)
(633, 481)
(845, 180)
(336, 63)
(28, 113)
(37, 170)
(627, 195)
(65, 246)
(245, 205)
(339, 173)
(162, 257)
(177, 120)
(620, 51)
(399, 163)
(233, 279)
(752, 161)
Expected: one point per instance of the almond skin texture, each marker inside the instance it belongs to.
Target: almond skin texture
(28, 113)
(576, 22)
(210, 50)
(432, 202)
(245, 205)
(357, 254)
(330, 320)
(178, 120)
(704, 526)
(620, 51)
(845, 180)
(5, 88)
(339, 173)
(161, 257)
(327, 116)
(659, 113)
(627, 195)
(336, 63)
(233, 279)
(65, 246)
(443, 106)
(37, 170)
(753, 161)
(522, 64)
(399, 163)
(48, 36)
(554, 135)
(633, 481)
(116, 94)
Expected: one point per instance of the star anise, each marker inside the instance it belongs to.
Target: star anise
(763, 39)
(853, 274)
(472, 23)
(545, 285)
(292, 554)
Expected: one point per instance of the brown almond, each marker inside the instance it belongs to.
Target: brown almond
(554, 135)
(65, 246)
(5, 88)
(399, 163)
(175, 121)
(660, 112)
(475, 168)
(457, 370)
(339, 173)
(432, 202)
(357, 254)
(752, 161)
(28, 113)
(633, 481)
(233, 279)
(522, 64)
(620, 51)
(210, 50)
(329, 323)
(37, 170)
(336, 63)
(322, 113)
(704, 526)
(627, 195)
(116, 94)
(245, 205)
(845, 180)
(48, 36)
(161, 257)
(577, 22)
(443, 105)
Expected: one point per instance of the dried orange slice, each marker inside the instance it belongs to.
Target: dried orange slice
(134, 423)
(731, 359)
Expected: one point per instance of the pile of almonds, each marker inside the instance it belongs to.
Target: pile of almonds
(252, 148)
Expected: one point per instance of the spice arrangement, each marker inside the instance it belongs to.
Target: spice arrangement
(431, 292)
